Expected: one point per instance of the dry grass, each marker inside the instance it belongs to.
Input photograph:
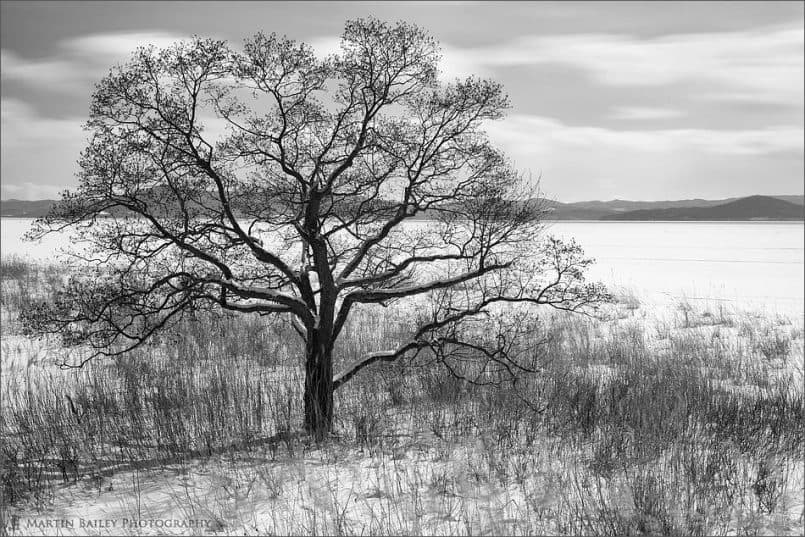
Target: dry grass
(687, 426)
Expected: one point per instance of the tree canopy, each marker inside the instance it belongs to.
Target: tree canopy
(270, 180)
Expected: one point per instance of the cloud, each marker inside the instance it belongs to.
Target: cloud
(454, 63)
(523, 131)
(577, 161)
(49, 72)
(589, 162)
(100, 47)
(38, 154)
(644, 113)
(457, 64)
(79, 62)
(765, 64)
(325, 45)
(24, 125)
(30, 191)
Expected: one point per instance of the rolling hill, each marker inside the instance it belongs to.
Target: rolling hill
(749, 208)
(25, 208)
(753, 207)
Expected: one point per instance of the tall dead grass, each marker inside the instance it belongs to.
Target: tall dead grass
(694, 428)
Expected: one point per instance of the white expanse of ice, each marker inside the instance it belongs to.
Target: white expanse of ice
(744, 265)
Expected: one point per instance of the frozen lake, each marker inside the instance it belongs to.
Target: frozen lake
(742, 264)
(738, 264)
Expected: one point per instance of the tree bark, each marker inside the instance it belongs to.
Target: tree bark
(318, 387)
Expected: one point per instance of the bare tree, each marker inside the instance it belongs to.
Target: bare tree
(307, 203)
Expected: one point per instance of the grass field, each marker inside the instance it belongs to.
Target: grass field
(683, 422)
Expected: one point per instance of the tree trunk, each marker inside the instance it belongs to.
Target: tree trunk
(318, 388)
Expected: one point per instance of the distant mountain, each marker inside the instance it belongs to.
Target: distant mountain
(593, 210)
(627, 205)
(25, 208)
(750, 208)
(607, 210)
(799, 200)
(582, 210)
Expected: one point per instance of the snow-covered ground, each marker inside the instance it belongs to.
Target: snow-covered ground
(411, 482)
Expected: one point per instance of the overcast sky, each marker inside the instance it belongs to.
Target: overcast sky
(610, 100)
